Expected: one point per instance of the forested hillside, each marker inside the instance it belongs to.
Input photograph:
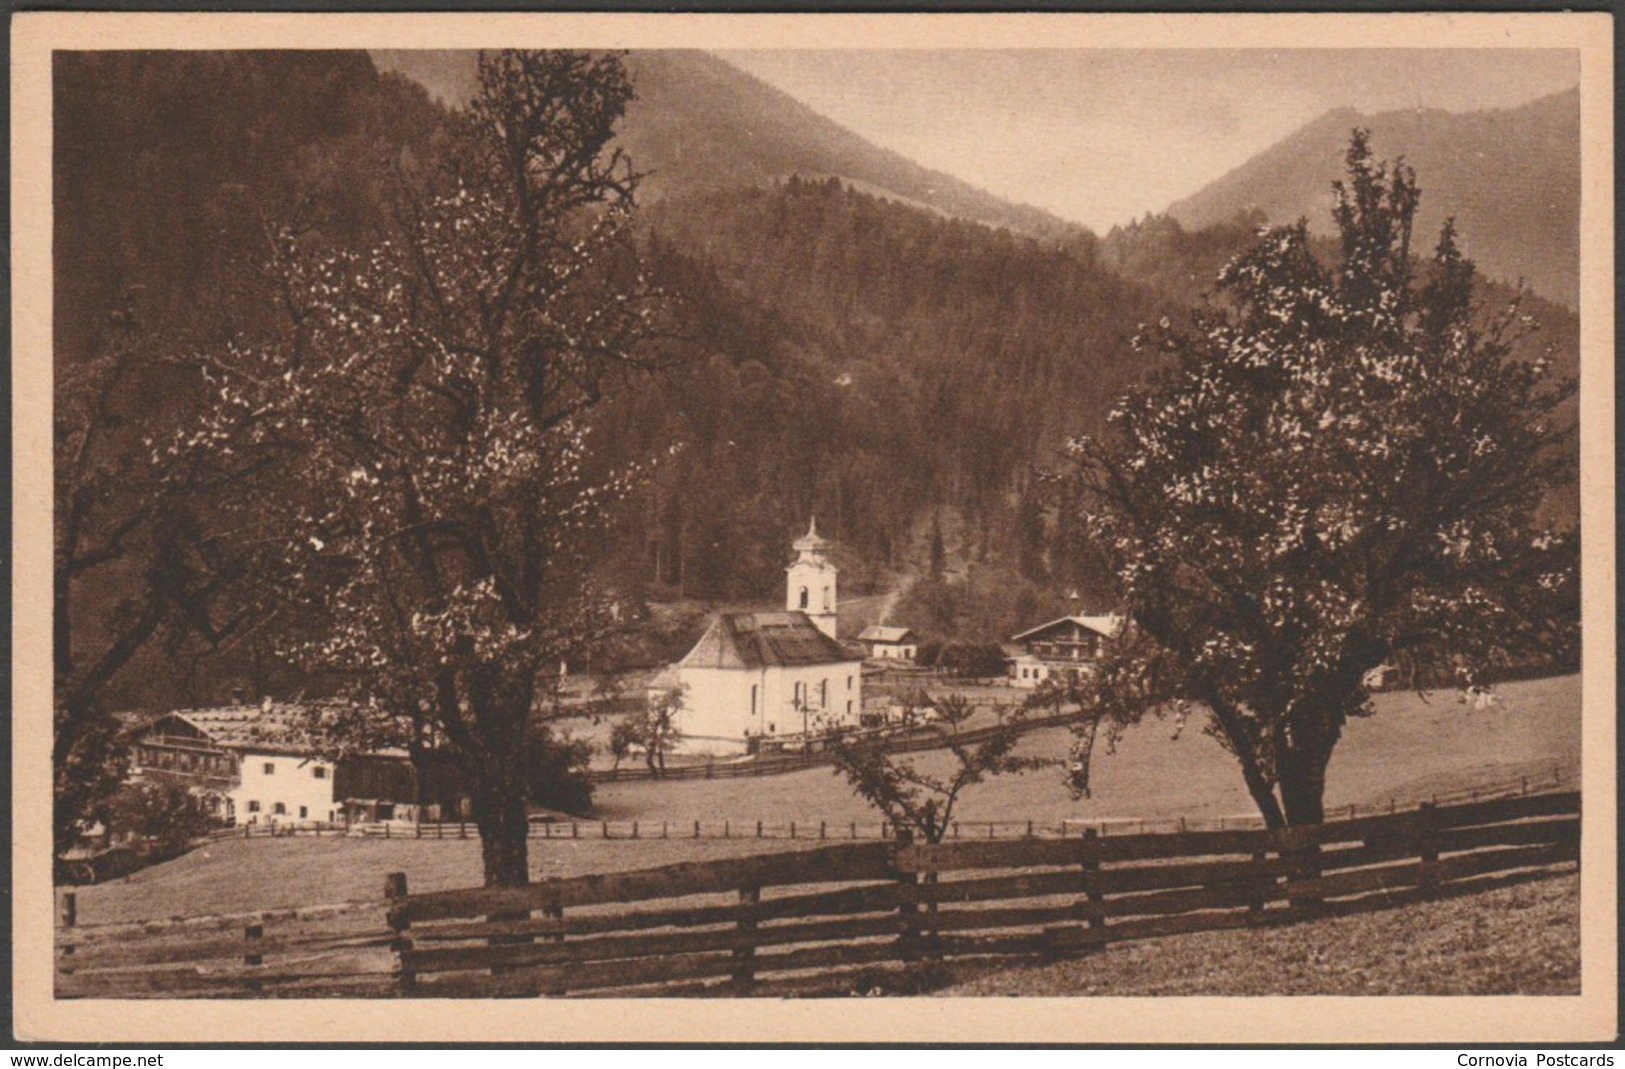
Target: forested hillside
(866, 361)
(169, 173)
(889, 367)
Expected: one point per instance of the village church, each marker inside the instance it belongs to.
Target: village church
(772, 676)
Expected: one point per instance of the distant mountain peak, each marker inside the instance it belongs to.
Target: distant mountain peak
(700, 124)
(1510, 177)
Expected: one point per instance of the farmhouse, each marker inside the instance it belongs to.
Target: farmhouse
(755, 676)
(261, 764)
(889, 643)
(1061, 649)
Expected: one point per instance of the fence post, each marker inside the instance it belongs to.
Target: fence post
(634, 829)
(462, 829)
(1262, 886)
(553, 911)
(745, 952)
(395, 888)
(575, 830)
(68, 917)
(1094, 904)
(696, 829)
(758, 829)
(908, 909)
(1029, 829)
(1427, 873)
(1304, 866)
(820, 829)
(603, 829)
(253, 957)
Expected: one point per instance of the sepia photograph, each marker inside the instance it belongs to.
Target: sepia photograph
(811, 517)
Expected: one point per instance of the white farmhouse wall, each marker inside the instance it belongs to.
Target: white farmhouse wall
(1028, 672)
(283, 789)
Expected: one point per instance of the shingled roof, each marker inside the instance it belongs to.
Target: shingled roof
(270, 728)
(886, 634)
(764, 639)
(1106, 626)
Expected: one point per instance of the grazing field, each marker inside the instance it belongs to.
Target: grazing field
(240, 876)
(1517, 940)
(1409, 750)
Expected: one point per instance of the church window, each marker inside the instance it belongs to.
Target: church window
(804, 597)
(828, 601)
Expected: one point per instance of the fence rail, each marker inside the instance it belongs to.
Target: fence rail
(819, 919)
(806, 920)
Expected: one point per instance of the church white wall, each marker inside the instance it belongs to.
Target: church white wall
(716, 708)
(716, 716)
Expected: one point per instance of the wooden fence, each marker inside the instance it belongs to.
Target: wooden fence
(811, 921)
(334, 951)
(823, 919)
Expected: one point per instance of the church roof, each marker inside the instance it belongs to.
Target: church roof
(811, 542)
(763, 639)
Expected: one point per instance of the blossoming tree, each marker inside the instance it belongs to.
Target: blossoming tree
(430, 401)
(1340, 467)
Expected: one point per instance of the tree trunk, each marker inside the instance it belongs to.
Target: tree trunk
(501, 815)
(1303, 786)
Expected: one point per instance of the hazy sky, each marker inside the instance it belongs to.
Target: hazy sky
(1102, 136)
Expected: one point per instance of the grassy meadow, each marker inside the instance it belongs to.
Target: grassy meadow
(1410, 749)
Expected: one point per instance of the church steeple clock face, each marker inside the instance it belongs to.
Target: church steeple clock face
(811, 586)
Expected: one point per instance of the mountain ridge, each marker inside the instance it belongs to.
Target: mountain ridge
(698, 123)
(1510, 177)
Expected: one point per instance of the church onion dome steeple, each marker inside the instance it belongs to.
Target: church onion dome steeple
(810, 545)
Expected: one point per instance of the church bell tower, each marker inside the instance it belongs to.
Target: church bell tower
(811, 586)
